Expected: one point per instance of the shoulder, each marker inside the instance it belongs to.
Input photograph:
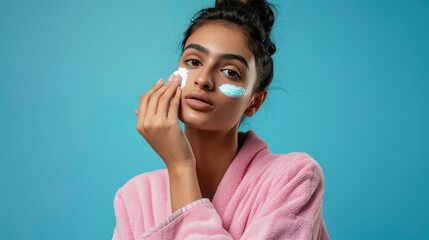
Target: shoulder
(284, 166)
(295, 164)
(143, 185)
(292, 180)
(289, 181)
(290, 170)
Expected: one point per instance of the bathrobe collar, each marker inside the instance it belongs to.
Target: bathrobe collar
(251, 147)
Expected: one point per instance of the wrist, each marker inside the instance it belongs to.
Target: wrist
(181, 169)
(184, 186)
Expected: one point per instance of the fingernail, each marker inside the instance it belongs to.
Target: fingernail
(135, 111)
(159, 81)
(177, 90)
(171, 77)
(177, 77)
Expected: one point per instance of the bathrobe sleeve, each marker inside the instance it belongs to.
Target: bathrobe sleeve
(122, 229)
(291, 210)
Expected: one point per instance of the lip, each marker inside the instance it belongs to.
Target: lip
(199, 101)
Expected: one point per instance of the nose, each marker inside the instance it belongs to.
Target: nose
(204, 80)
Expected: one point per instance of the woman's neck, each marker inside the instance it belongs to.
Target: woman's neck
(213, 151)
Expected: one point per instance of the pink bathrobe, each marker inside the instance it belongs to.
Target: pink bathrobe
(261, 196)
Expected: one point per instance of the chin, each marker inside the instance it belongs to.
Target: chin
(195, 122)
(203, 120)
(203, 123)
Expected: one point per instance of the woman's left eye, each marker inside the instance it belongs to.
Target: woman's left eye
(231, 73)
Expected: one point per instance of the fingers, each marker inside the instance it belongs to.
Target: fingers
(154, 98)
(164, 101)
(174, 108)
(157, 99)
(145, 98)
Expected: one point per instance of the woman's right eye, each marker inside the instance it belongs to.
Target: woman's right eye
(193, 62)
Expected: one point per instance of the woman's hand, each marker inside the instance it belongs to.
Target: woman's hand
(158, 123)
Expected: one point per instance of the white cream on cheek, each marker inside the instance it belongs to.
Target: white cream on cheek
(183, 72)
(231, 90)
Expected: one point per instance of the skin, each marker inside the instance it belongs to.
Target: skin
(198, 157)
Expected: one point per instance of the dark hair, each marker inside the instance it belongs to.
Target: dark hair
(256, 19)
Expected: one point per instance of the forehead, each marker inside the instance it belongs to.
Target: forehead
(221, 37)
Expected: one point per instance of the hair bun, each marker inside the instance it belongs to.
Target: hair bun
(260, 9)
(220, 3)
(263, 10)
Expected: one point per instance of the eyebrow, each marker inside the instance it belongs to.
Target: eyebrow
(223, 56)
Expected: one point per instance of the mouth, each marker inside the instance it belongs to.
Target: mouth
(199, 101)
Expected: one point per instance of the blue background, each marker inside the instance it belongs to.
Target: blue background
(349, 90)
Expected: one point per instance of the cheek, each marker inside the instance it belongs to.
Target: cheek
(232, 107)
(235, 100)
(231, 91)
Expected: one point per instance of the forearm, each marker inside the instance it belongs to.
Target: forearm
(184, 187)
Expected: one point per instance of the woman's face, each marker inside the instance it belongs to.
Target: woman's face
(216, 54)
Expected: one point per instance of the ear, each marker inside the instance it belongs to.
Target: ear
(256, 103)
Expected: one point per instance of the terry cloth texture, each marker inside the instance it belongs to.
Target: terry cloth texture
(261, 196)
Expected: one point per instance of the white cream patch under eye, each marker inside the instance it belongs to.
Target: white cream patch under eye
(183, 72)
(231, 90)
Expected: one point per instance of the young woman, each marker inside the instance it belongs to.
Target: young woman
(219, 183)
